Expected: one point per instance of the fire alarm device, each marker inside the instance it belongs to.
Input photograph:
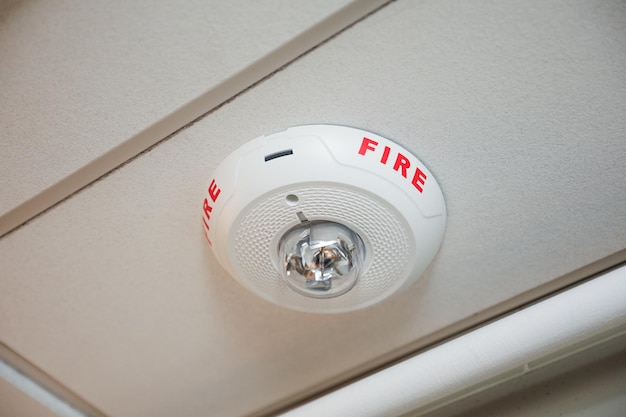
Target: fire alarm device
(324, 218)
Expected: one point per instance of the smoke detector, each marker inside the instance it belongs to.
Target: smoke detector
(324, 218)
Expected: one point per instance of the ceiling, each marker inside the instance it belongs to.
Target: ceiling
(87, 85)
(517, 109)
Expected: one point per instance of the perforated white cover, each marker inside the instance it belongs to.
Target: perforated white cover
(388, 245)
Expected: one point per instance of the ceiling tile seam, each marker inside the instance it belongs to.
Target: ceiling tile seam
(549, 346)
(37, 392)
(455, 330)
(42, 387)
(190, 113)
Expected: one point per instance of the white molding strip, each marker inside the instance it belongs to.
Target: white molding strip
(509, 347)
(37, 392)
(34, 382)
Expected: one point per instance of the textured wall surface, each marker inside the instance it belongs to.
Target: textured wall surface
(517, 109)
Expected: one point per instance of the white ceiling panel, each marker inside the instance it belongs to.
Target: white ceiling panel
(517, 109)
(86, 85)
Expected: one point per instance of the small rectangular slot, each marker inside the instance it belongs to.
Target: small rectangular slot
(300, 215)
(278, 154)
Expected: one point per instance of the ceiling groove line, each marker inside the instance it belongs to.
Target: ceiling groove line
(190, 113)
(576, 333)
(44, 388)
